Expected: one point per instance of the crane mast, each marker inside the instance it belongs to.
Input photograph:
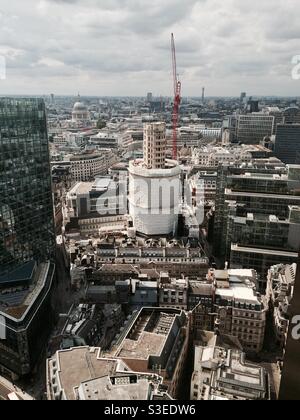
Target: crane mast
(177, 97)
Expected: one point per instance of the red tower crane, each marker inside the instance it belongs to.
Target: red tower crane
(177, 97)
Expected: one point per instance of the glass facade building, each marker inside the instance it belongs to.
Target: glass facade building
(26, 209)
(287, 143)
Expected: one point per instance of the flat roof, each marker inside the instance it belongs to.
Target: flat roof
(81, 188)
(79, 365)
(228, 191)
(104, 389)
(23, 273)
(149, 344)
(238, 292)
(264, 251)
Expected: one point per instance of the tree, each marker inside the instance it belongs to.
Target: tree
(101, 124)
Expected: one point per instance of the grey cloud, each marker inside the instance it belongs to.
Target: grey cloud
(123, 46)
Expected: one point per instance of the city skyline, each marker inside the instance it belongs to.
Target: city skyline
(121, 48)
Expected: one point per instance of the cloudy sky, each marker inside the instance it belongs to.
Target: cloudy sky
(122, 47)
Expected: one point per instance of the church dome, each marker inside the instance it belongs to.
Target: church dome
(80, 112)
(79, 106)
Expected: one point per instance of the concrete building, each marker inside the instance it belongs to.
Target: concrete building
(105, 140)
(211, 156)
(287, 143)
(156, 342)
(223, 373)
(86, 166)
(154, 186)
(82, 374)
(175, 257)
(252, 128)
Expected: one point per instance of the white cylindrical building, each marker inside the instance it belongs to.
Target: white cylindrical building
(154, 186)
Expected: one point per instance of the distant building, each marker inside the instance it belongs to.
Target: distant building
(252, 106)
(223, 373)
(287, 143)
(86, 166)
(291, 115)
(149, 97)
(252, 128)
(104, 140)
(80, 113)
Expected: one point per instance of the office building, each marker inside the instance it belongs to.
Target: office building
(287, 143)
(267, 234)
(26, 209)
(149, 97)
(87, 166)
(154, 186)
(252, 106)
(27, 235)
(256, 219)
(252, 128)
(291, 115)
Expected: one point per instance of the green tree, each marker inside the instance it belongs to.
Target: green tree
(101, 124)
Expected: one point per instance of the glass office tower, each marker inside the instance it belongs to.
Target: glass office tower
(27, 238)
(26, 210)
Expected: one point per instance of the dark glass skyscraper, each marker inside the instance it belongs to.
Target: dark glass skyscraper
(287, 143)
(26, 211)
(27, 238)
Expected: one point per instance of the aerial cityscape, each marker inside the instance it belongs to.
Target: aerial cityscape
(149, 203)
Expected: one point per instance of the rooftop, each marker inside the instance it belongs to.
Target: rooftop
(147, 336)
(15, 302)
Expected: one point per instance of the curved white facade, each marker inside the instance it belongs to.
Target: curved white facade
(154, 198)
